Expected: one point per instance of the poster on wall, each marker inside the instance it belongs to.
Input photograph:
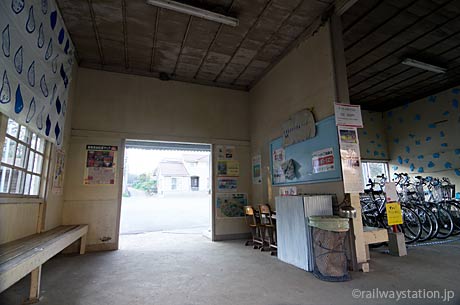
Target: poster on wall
(229, 152)
(351, 160)
(225, 152)
(230, 205)
(257, 169)
(58, 177)
(288, 191)
(278, 159)
(220, 152)
(225, 184)
(100, 166)
(323, 160)
(348, 115)
(229, 168)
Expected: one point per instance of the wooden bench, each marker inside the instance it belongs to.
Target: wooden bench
(27, 255)
(374, 236)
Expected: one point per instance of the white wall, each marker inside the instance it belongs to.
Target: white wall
(111, 107)
(303, 79)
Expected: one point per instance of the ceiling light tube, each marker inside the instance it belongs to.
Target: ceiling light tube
(194, 11)
(422, 65)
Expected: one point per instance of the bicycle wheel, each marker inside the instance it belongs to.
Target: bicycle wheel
(454, 210)
(446, 224)
(426, 222)
(412, 226)
(434, 220)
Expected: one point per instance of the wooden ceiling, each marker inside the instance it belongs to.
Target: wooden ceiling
(133, 37)
(378, 35)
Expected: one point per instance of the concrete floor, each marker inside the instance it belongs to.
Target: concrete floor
(183, 268)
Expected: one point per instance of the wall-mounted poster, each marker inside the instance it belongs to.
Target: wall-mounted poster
(227, 184)
(230, 205)
(220, 152)
(277, 162)
(229, 168)
(351, 160)
(58, 178)
(100, 165)
(257, 169)
(229, 152)
(323, 160)
(348, 115)
(288, 191)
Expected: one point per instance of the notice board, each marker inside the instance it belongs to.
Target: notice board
(314, 160)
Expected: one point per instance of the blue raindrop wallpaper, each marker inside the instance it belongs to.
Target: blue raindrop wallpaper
(421, 137)
(36, 56)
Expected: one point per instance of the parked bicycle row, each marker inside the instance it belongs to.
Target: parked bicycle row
(428, 206)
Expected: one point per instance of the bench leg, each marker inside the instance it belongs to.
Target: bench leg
(83, 244)
(34, 294)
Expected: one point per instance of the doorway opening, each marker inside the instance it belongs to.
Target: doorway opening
(166, 188)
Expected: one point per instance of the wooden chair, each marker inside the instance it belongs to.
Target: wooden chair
(269, 225)
(256, 229)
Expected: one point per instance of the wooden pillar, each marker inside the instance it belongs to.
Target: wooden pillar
(357, 242)
(34, 293)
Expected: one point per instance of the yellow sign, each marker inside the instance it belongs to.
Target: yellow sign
(394, 214)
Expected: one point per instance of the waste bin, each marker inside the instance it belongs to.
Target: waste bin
(329, 234)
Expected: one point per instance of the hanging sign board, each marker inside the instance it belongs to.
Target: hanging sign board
(394, 214)
(351, 160)
(390, 192)
(348, 115)
(300, 127)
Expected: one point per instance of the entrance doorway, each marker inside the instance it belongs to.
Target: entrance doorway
(166, 188)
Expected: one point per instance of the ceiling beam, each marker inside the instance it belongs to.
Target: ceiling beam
(362, 16)
(341, 6)
(398, 62)
(96, 31)
(213, 41)
(125, 32)
(256, 21)
(419, 19)
(454, 48)
(310, 30)
(381, 24)
(154, 42)
(269, 40)
(184, 40)
(156, 74)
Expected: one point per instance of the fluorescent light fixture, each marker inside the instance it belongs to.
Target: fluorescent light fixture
(194, 11)
(422, 65)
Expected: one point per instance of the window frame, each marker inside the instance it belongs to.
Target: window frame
(365, 169)
(30, 149)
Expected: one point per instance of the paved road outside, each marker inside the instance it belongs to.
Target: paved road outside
(141, 213)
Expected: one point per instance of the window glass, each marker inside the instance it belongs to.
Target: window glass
(35, 186)
(373, 169)
(34, 140)
(38, 164)
(9, 150)
(5, 175)
(12, 128)
(40, 145)
(21, 155)
(17, 182)
(22, 161)
(24, 134)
